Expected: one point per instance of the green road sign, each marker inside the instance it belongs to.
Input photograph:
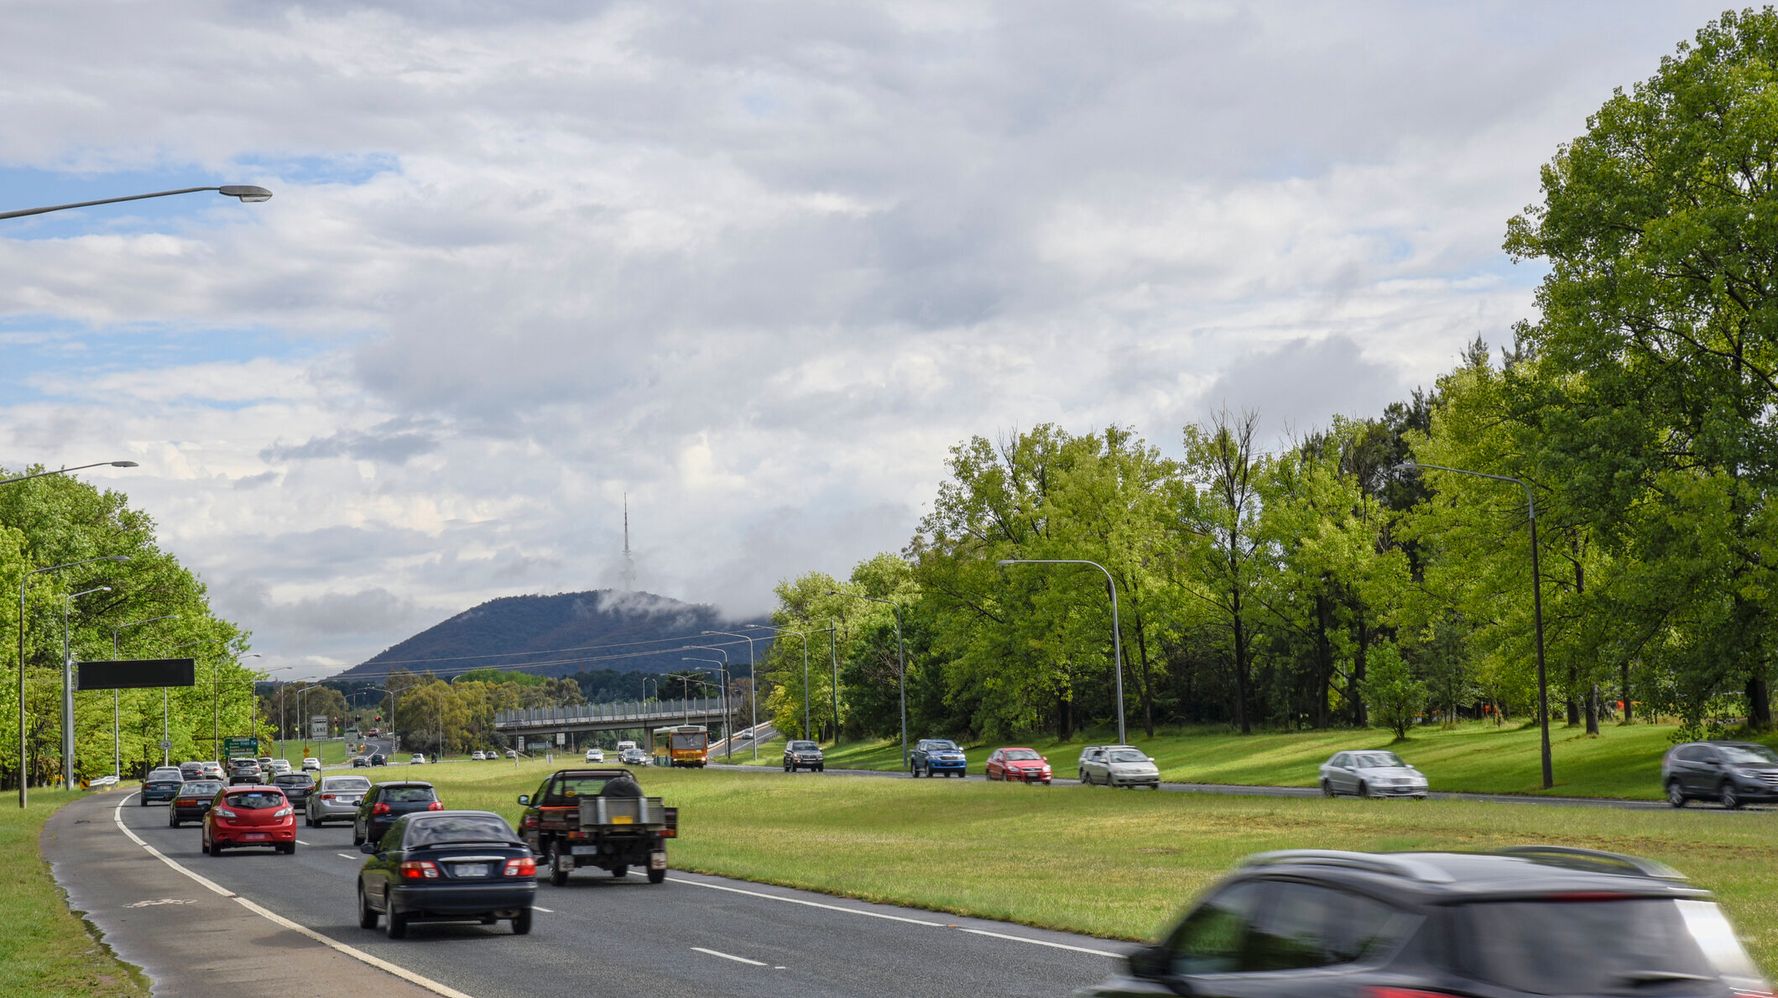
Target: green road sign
(237, 747)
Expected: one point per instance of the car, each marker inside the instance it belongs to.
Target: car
(626, 744)
(245, 776)
(213, 771)
(385, 802)
(447, 866)
(1022, 765)
(191, 770)
(1118, 766)
(161, 785)
(512, 753)
(803, 754)
(1535, 920)
(744, 735)
(335, 797)
(633, 757)
(378, 759)
(359, 762)
(296, 786)
(1371, 773)
(595, 754)
(193, 799)
(266, 762)
(254, 815)
(417, 759)
(279, 766)
(932, 756)
(311, 764)
(1730, 773)
(478, 755)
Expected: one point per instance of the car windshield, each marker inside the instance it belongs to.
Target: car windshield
(1748, 755)
(1128, 755)
(1376, 760)
(200, 788)
(408, 795)
(803, 746)
(937, 745)
(1021, 755)
(1530, 945)
(256, 799)
(347, 784)
(445, 829)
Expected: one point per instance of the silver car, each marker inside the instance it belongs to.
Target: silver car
(1373, 773)
(1118, 766)
(335, 798)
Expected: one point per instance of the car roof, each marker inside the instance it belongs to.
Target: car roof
(1516, 871)
(405, 783)
(246, 787)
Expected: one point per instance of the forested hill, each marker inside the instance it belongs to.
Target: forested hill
(560, 635)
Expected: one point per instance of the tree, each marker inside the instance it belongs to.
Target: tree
(1395, 695)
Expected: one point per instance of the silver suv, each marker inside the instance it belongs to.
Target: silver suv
(1118, 766)
(335, 798)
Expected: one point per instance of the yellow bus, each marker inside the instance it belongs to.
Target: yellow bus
(682, 745)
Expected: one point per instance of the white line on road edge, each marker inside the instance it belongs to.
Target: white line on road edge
(345, 855)
(728, 956)
(277, 919)
(894, 918)
(550, 911)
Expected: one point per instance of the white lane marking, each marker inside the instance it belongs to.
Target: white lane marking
(895, 918)
(277, 919)
(550, 911)
(728, 956)
(300, 842)
(345, 855)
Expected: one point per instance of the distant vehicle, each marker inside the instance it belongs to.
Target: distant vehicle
(193, 799)
(191, 770)
(372, 733)
(1310, 923)
(595, 754)
(359, 762)
(597, 817)
(280, 766)
(335, 797)
(388, 801)
(311, 764)
(266, 762)
(685, 745)
(296, 786)
(1118, 766)
(512, 753)
(447, 866)
(213, 771)
(932, 756)
(417, 759)
(1019, 764)
(744, 735)
(633, 756)
(245, 773)
(478, 755)
(625, 745)
(1730, 773)
(378, 759)
(250, 816)
(162, 784)
(804, 755)
(1373, 773)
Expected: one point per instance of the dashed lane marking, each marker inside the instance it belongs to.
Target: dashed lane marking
(728, 956)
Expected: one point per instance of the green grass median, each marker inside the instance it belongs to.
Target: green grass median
(47, 949)
(1112, 863)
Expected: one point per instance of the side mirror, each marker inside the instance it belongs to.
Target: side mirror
(525, 799)
(368, 848)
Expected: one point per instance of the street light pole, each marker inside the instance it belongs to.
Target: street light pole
(901, 655)
(68, 687)
(248, 195)
(64, 471)
(833, 654)
(117, 699)
(804, 635)
(1543, 691)
(728, 725)
(24, 582)
(1117, 647)
(753, 681)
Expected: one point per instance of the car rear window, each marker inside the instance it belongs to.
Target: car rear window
(256, 799)
(408, 795)
(294, 780)
(445, 829)
(200, 788)
(1531, 945)
(347, 784)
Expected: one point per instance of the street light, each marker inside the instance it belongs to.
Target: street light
(249, 195)
(117, 701)
(753, 681)
(68, 687)
(1117, 647)
(1543, 693)
(24, 582)
(901, 655)
(805, 636)
(64, 471)
(728, 727)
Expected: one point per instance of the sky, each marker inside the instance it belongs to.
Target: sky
(755, 265)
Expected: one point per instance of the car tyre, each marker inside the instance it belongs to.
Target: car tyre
(657, 876)
(1364, 790)
(357, 839)
(287, 848)
(1675, 794)
(395, 923)
(1727, 796)
(172, 820)
(1327, 789)
(367, 916)
(558, 875)
(521, 923)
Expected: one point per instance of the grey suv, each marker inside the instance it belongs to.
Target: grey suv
(335, 798)
(1534, 920)
(1730, 773)
(803, 755)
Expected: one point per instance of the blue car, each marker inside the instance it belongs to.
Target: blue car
(933, 756)
(162, 785)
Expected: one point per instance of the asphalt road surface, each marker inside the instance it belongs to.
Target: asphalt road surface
(598, 935)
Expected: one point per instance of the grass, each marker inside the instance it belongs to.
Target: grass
(1623, 761)
(47, 949)
(1029, 854)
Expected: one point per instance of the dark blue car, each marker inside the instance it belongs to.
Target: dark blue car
(162, 785)
(933, 756)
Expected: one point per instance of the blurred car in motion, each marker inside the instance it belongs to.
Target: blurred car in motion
(631, 756)
(803, 754)
(296, 786)
(1730, 773)
(447, 866)
(194, 798)
(478, 755)
(311, 764)
(1118, 766)
(417, 759)
(1535, 920)
(335, 797)
(385, 802)
(932, 756)
(1371, 773)
(512, 753)
(250, 816)
(378, 759)
(1021, 765)
(162, 784)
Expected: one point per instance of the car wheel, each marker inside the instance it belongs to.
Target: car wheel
(1327, 789)
(357, 839)
(144, 800)
(657, 876)
(914, 771)
(395, 923)
(521, 924)
(172, 822)
(288, 848)
(620, 871)
(1364, 790)
(821, 769)
(1728, 797)
(1675, 794)
(215, 848)
(367, 916)
(558, 874)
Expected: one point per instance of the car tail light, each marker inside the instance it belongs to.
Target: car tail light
(283, 812)
(327, 797)
(436, 805)
(522, 867)
(419, 869)
(223, 812)
(380, 808)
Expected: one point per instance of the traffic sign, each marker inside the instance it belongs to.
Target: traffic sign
(165, 744)
(238, 747)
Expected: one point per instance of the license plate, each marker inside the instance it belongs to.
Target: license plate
(584, 851)
(622, 819)
(470, 869)
(254, 837)
(347, 800)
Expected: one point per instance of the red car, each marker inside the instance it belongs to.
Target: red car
(250, 816)
(1018, 764)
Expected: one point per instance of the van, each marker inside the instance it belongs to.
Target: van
(625, 745)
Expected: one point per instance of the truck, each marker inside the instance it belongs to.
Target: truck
(597, 816)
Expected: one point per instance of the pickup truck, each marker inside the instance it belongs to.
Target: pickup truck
(933, 756)
(597, 816)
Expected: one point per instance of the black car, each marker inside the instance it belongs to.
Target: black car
(161, 785)
(378, 759)
(388, 801)
(193, 799)
(296, 786)
(447, 866)
(1730, 773)
(1534, 920)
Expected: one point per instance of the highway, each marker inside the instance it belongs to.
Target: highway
(598, 935)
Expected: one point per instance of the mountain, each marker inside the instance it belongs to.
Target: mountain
(560, 635)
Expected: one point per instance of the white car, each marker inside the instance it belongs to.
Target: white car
(280, 767)
(1376, 773)
(417, 759)
(595, 755)
(1118, 766)
(745, 735)
(479, 756)
(311, 764)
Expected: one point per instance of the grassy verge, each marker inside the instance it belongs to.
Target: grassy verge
(1623, 761)
(47, 949)
(1112, 863)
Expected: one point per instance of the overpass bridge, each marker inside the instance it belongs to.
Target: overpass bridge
(618, 716)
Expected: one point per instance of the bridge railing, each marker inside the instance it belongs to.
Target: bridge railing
(622, 710)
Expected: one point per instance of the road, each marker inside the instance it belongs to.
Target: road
(598, 935)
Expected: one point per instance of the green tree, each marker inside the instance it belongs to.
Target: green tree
(1395, 695)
